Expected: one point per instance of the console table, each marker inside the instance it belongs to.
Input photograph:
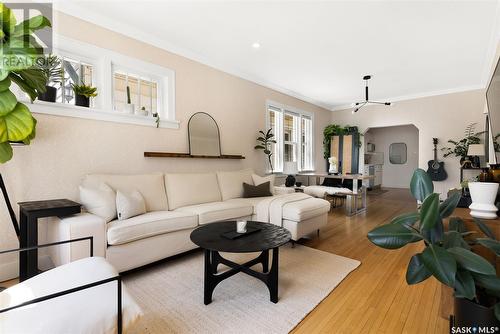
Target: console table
(29, 213)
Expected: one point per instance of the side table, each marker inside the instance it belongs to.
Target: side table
(29, 213)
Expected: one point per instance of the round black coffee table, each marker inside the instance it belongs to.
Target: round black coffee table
(210, 238)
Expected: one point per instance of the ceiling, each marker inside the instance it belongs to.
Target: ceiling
(319, 51)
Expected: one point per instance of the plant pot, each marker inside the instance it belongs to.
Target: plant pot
(82, 101)
(483, 196)
(49, 95)
(129, 108)
(470, 314)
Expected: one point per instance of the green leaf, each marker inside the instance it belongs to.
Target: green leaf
(23, 85)
(436, 233)
(266, 151)
(485, 229)
(5, 152)
(454, 239)
(489, 282)
(259, 147)
(416, 272)
(407, 219)
(35, 78)
(440, 263)
(429, 212)
(3, 74)
(448, 206)
(464, 285)
(32, 135)
(5, 84)
(471, 261)
(456, 224)
(27, 27)
(392, 236)
(497, 311)
(421, 185)
(8, 19)
(491, 244)
(19, 123)
(8, 102)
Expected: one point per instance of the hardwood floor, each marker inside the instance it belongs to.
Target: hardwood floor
(375, 298)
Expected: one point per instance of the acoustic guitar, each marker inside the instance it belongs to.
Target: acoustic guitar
(436, 168)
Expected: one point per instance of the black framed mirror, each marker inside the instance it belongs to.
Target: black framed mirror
(203, 135)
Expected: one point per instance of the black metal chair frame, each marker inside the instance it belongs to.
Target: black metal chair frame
(117, 278)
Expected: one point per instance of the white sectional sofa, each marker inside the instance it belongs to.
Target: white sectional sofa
(175, 205)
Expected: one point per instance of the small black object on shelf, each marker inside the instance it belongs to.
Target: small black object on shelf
(290, 181)
(298, 184)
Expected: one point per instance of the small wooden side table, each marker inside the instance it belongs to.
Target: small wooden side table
(29, 213)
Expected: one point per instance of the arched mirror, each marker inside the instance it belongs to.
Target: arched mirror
(204, 136)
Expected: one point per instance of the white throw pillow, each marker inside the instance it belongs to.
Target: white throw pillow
(263, 179)
(99, 200)
(129, 204)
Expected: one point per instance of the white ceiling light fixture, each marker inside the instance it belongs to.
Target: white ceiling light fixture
(256, 45)
(359, 105)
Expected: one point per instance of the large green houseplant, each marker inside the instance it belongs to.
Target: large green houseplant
(459, 148)
(20, 51)
(446, 254)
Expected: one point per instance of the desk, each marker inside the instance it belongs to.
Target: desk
(29, 212)
(352, 207)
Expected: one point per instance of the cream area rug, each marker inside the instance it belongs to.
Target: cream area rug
(171, 293)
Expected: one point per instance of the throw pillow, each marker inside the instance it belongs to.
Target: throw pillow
(100, 201)
(263, 179)
(262, 190)
(129, 204)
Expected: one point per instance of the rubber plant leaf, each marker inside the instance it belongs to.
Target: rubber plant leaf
(421, 185)
(464, 285)
(491, 244)
(440, 263)
(416, 271)
(449, 205)
(471, 261)
(485, 229)
(392, 236)
(407, 219)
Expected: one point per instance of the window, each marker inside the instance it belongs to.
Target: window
(294, 136)
(75, 72)
(143, 92)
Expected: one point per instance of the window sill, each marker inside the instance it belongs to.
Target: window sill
(69, 110)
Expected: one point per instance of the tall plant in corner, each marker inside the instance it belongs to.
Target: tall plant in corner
(264, 143)
(446, 254)
(19, 50)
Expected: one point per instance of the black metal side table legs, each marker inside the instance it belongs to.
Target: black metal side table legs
(269, 277)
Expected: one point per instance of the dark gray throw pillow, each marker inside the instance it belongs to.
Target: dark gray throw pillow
(261, 190)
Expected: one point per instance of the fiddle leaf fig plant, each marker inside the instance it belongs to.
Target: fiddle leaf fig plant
(19, 50)
(447, 253)
(264, 143)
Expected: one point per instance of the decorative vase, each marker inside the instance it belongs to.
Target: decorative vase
(129, 108)
(290, 181)
(49, 95)
(483, 196)
(333, 169)
(82, 101)
(470, 314)
(494, 173)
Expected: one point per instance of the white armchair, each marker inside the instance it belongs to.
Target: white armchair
(85, 296)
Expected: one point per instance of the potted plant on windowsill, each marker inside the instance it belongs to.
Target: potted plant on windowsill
(83, 93)
(51, 67)
(446, 254)
(264, 143)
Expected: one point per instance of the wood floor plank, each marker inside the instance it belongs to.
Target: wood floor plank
(375, 298)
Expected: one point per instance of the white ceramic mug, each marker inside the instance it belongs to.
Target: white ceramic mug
(241, 226)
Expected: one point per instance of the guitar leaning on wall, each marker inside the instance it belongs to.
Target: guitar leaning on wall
(436, 168)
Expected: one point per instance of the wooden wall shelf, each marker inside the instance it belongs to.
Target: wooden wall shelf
(187, 155)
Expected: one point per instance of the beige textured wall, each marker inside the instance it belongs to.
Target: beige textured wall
(444, 117)
(67, 148)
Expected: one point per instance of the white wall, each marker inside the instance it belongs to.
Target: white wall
(444, 117)
(396, 175)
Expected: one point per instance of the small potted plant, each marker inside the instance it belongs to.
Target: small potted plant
(129, 107)
(447, 254)
(53, 71)
(83, 93)
(264, 142)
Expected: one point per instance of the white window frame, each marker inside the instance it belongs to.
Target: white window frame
(102, 61)
(282, 109)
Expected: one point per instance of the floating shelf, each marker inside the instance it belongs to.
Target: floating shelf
(187, 155)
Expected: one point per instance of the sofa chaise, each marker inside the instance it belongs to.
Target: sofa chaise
(175, 205)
